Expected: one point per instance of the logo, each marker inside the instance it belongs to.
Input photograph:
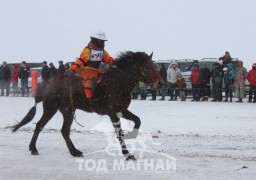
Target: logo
(148, 160)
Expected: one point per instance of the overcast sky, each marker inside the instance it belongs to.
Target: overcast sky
(51, 30)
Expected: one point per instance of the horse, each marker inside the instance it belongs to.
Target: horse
(112, 97)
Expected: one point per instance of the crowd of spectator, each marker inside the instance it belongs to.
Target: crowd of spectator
(207, 83)
(21, 72)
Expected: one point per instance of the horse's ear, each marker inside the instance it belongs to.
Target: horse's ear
(150, 56)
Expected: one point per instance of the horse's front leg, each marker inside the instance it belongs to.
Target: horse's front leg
(120, 136)
(130, 116)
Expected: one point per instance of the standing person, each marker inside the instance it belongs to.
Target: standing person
(217, 79)
(66, 66)
(24, 75)
(14, 79)
(226, 59)
(205, 82)
(45, 73)
(143, 91)
(61, 69)
(181, 83)
(195, 81)
(88, 65)
(136, 91)
(5, 76)
(172, 73)
(229, 81)
(240, 77)
(163, 74)
(252, 81)
(52, 71)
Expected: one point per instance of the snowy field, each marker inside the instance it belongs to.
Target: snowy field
(208, 140)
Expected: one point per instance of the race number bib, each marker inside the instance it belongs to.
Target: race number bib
(96, 55)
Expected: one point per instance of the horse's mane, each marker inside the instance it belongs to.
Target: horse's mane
(129, 58)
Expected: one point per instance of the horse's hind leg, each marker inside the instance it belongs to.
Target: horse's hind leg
(130, 116)
(68, 119)
(47, 115)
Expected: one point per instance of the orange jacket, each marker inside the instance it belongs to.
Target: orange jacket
(85, 56)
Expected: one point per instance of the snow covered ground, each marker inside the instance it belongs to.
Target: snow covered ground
(208, 140)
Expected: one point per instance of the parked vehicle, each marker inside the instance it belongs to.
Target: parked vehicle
(165, 62)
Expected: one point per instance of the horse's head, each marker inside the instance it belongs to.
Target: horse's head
(149, 74)
(140, 66)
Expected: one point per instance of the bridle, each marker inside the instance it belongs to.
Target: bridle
(143, 74)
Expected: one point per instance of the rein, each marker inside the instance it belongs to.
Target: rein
(72, 102)
(128, 74)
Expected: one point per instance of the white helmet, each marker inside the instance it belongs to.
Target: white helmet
(99, 35)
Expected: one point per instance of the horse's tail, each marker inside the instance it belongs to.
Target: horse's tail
(32, 112)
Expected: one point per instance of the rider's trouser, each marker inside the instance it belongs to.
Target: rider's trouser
(90, 76)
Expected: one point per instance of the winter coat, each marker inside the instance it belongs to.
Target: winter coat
(172, 74)
(252, 77)
(241, 74)
(230, 74)
(15, 74)
(142, 85)
(181, 83)
(5, 73)
(195, 77)
(205, 75)
(136, 88)
(91, 56)
(24, 73)
(163, 73)
(217, 75)
(61, 70)
(52, 72)
(45, 73)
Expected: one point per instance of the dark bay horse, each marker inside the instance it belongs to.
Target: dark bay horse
(113, 94)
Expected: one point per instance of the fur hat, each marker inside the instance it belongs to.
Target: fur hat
(179, 76)
(174, 63)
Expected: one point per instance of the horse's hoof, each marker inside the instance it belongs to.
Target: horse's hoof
(34, 153)
(132, 158)
(77, 153)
